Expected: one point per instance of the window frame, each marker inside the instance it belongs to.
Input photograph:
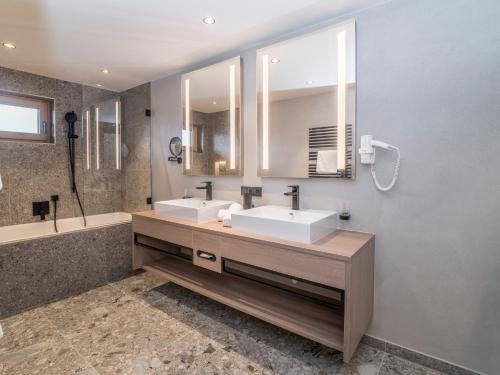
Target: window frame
(45, 107)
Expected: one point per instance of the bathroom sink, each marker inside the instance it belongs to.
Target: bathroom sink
(305, 226)
(192, 209)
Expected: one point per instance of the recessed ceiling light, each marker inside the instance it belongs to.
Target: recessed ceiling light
(105, 71)
(309, 82)
(9, 45)
(208, 20)
(98, 85)
(275, 60)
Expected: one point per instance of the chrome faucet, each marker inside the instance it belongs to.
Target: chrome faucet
(295, 196)
(207, 188)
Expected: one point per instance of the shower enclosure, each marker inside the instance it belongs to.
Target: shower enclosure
(115, 150)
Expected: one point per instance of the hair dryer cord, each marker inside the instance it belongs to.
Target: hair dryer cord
(395, 175)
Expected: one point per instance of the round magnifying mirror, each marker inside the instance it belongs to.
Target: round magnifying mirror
(176, 146)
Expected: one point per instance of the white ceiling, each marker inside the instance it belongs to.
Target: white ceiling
(140, 41)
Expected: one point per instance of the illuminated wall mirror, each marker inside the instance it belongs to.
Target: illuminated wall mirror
(306, 95)
(211, 108)
(103, 135)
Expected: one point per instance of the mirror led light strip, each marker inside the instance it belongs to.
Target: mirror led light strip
(97, 156)
(117, 134)
(341, 100)
(87, 134)
(187, 130)
(265, 112)
(232, 117)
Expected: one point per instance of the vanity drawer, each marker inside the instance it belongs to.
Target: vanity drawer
(163, 231)
(320, 270)
(206, 251)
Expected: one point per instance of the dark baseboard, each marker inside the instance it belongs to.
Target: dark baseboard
(416, 357)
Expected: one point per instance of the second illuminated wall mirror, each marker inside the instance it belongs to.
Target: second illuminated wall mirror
(306, 102)
(211, 108)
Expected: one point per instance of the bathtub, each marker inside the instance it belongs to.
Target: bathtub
(39, 266)
(23, 232)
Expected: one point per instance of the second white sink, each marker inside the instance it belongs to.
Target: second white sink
(305, 226)
(192, 209)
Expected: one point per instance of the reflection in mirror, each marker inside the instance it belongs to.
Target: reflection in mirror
(102, 134)
(211, 135)
(198, 138)
(306, 95)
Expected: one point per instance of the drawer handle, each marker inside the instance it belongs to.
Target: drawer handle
(208, 256)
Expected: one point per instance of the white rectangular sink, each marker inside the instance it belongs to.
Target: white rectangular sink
(305, 226)
(192, 209)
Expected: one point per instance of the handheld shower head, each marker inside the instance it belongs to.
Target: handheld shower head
(70, 117)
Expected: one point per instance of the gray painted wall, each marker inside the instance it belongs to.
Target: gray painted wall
(428, 82)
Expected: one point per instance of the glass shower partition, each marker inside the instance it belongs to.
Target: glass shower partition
(102, 145)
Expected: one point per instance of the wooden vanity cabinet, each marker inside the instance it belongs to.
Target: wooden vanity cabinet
(322, 291)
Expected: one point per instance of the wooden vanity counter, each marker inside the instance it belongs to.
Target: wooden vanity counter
(342, 263)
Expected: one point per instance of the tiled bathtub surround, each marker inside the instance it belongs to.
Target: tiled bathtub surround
(33, 171)
(36, 272)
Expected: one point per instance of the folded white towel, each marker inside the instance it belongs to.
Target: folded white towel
(327, 161)
(226, 220)
(235, 207)
(221, 214)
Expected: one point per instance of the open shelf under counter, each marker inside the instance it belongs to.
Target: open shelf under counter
(315, 321)
(342, 262)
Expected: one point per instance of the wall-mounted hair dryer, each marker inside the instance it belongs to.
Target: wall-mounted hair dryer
(367, 152)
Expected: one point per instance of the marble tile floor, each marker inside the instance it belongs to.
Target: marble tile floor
(142, 325)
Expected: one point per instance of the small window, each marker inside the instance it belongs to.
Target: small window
(25, 118)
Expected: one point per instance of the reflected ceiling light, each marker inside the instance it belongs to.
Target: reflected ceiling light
(232, 117)
(105, 71)
(341, 100)
(9, 45)
(265, 112)
(275, 60)
(97, 155)
(87, 136)
(208, 20)
(187, 131)
(309, 82)
(98, 85)
(117, 134)
(214, 102)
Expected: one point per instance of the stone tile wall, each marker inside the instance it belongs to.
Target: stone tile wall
(33, 171)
